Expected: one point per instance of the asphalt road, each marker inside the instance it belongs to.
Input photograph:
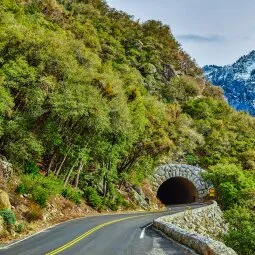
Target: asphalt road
(127, 234)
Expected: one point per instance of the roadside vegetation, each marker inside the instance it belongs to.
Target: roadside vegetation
(91, 99)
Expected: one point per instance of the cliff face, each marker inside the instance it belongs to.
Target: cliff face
(237, 81)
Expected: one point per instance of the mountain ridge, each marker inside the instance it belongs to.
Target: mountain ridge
(237, 81)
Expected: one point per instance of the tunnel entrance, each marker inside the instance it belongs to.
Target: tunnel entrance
(177, 190)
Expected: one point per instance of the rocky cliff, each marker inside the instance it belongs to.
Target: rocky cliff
(237, 81)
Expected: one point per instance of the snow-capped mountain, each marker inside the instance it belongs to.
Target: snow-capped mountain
(237, 81)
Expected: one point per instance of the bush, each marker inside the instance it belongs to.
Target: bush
(231, 182)
(115, 200)
(21, 189)
(19, 228)
(71, 194)
(8, 216)
(40, 187)
(40, 196)
(235, 193)
(241, 235)
(93, 198)
(31, 168)
(35, 213)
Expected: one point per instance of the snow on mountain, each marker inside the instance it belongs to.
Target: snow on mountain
(237, 81)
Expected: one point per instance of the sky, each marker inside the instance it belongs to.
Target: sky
(211, 31)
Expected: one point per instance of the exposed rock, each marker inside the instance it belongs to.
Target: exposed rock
(1, 224)
(168, 72)
(140, 199)
(138, 190)
(237, 81)
(6, 169)
(148, 68)
(4, 200)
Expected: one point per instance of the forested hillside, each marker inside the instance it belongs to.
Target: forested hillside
(93, 98)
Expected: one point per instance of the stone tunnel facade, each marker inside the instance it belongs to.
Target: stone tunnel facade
(183, 173)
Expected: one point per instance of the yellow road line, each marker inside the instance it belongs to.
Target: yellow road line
(79, 238)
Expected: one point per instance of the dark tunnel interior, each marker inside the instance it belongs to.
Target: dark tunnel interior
(177, 190)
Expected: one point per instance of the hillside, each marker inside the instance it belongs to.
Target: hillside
(237, 81)
(92, 100)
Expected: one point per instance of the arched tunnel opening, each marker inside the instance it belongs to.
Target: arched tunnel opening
(177, 190)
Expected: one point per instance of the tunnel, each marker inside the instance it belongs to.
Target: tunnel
(177, 190)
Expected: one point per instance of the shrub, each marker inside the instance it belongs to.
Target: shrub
(19, 228)
(40, 187)
(93, 198)
(40, 196)
(34, 213)
(31, 168)
(72, 194)
(241, 235)
(115, 200)
(232, 184)
(8, 216)
(21, 189)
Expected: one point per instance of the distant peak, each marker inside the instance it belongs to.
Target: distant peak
(250, 55)
(237, 81)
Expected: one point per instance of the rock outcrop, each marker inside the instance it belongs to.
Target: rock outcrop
(168, 72)
(237, 81)
(1, 224)
(6, 169)
(4, 200)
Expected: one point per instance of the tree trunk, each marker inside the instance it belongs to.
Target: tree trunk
(70, 172)
(51, 163)
(77, 176)
(63, 161)
(104, 186)
(121, 183)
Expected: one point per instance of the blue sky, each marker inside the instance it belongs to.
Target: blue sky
(211, 31)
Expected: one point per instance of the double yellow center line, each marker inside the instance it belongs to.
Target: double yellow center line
(86, 234)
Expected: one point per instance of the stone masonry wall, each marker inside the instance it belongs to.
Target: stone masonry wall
(195, 229)
(191, 173)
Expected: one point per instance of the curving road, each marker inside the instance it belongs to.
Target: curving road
(129, 234)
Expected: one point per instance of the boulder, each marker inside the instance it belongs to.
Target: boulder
(168, 72)
(148, 69)
(4, 200)
(140, 200)
(6, 169)
(1, 224)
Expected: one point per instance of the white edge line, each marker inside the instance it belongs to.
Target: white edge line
(37, 233)
(143, 231)
(60, 223)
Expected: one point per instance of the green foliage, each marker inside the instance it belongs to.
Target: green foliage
(86, 91)
(235, 189)
(19, 228)
(41, 188)
(93, 198)
(181, 89)
(40, 195)
(233, 185)
(31, 168)
(241, 236)
(21, 189)
(72, 195)
(8, 216)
